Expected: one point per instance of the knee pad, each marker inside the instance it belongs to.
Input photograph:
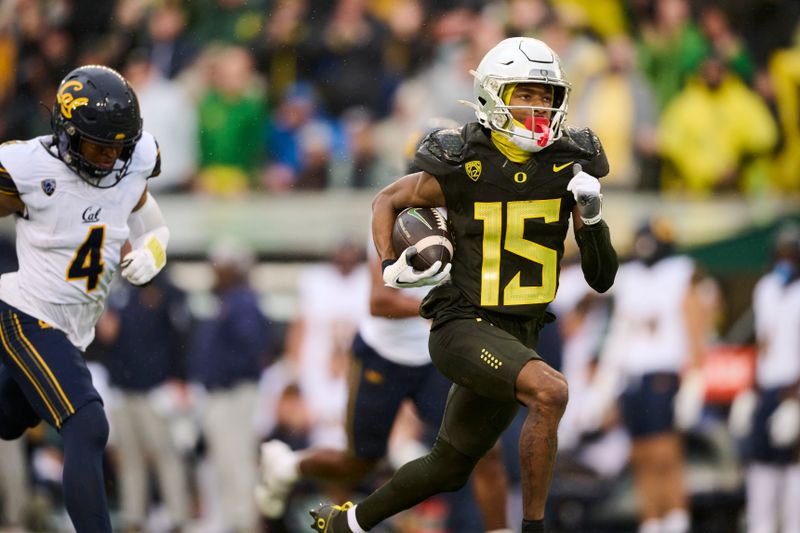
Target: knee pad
(88, 424)
(448, 468)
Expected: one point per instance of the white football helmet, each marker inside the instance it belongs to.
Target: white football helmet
(520, 60)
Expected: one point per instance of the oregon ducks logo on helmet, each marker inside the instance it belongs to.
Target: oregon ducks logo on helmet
(473, 169)
(66, 99)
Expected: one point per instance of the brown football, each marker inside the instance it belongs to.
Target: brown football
(424, 228)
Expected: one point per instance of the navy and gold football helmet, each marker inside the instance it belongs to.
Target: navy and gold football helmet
(96, 104)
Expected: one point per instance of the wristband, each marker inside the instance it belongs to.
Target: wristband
(385, 263)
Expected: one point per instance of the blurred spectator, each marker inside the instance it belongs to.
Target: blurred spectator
(227, 355)
(301, 143)
(171, 118)
(405, 48)
(227, 21)
(604, 18)
(363, 160)
(651, 342)
(232, 115)
(333, 298)
(784, 72)
(169, 47)
(283, 46)
(144, 331)
(525, 17)
(724, 43)
(767, 26)
(346, 49)
(582, 56)
(672, 48)
(714, 135)
(619, 106)
(769, 416)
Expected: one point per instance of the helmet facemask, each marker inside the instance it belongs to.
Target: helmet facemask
(68, 142)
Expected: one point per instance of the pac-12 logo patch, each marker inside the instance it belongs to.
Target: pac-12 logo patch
(473, 169)
(49, 186)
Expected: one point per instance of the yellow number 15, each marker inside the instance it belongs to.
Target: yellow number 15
(514, 293)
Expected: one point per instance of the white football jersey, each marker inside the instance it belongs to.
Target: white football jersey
(649, 303)
(70, 236)
(400, 340)
(777, 320)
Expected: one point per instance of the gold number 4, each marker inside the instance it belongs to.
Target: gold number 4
(88, 259)
(514, 293)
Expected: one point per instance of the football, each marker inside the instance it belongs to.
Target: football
(426, 229)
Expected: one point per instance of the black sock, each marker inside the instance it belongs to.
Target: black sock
(533, 526)
(85, 434)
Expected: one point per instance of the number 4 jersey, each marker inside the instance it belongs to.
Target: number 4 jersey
(70, 236)
(509, 219)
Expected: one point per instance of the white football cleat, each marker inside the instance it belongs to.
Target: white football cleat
(277, 475)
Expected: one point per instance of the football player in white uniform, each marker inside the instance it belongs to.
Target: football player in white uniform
(77, 197)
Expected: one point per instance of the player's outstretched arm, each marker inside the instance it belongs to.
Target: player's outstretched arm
(149, 237)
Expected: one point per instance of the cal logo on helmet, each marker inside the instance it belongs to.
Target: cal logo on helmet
(473, 169)
(66, 99)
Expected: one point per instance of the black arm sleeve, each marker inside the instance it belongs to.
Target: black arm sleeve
(598, 257)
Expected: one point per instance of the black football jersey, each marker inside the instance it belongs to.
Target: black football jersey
(509, 220)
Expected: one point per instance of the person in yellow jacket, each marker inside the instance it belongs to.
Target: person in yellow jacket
(714, 134)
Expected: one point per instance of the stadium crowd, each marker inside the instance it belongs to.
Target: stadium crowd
(690, 97)
(280, 95)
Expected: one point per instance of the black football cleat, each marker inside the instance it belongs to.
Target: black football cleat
(325, 516)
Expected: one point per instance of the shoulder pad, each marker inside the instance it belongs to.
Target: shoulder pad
(588, 147)
(441, 150)
(145, 156)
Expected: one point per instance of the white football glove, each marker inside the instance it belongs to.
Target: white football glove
(401, 275)
(689, 400)
(141, 265)
(586, 189)
(784, 423)
(740, 418)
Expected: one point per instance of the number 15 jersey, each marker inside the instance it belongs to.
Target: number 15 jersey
(70, 236)
(509, 220)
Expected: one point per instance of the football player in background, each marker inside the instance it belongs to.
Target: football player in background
(511, 183)
(654, 353)
(78, 196)
(768, 417)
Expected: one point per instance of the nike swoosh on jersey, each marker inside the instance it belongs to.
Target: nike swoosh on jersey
(559, 168)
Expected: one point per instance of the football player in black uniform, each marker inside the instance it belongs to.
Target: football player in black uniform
(511, 182)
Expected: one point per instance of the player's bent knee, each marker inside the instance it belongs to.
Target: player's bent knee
(553, 395)
(544, 388)
(90, 423)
